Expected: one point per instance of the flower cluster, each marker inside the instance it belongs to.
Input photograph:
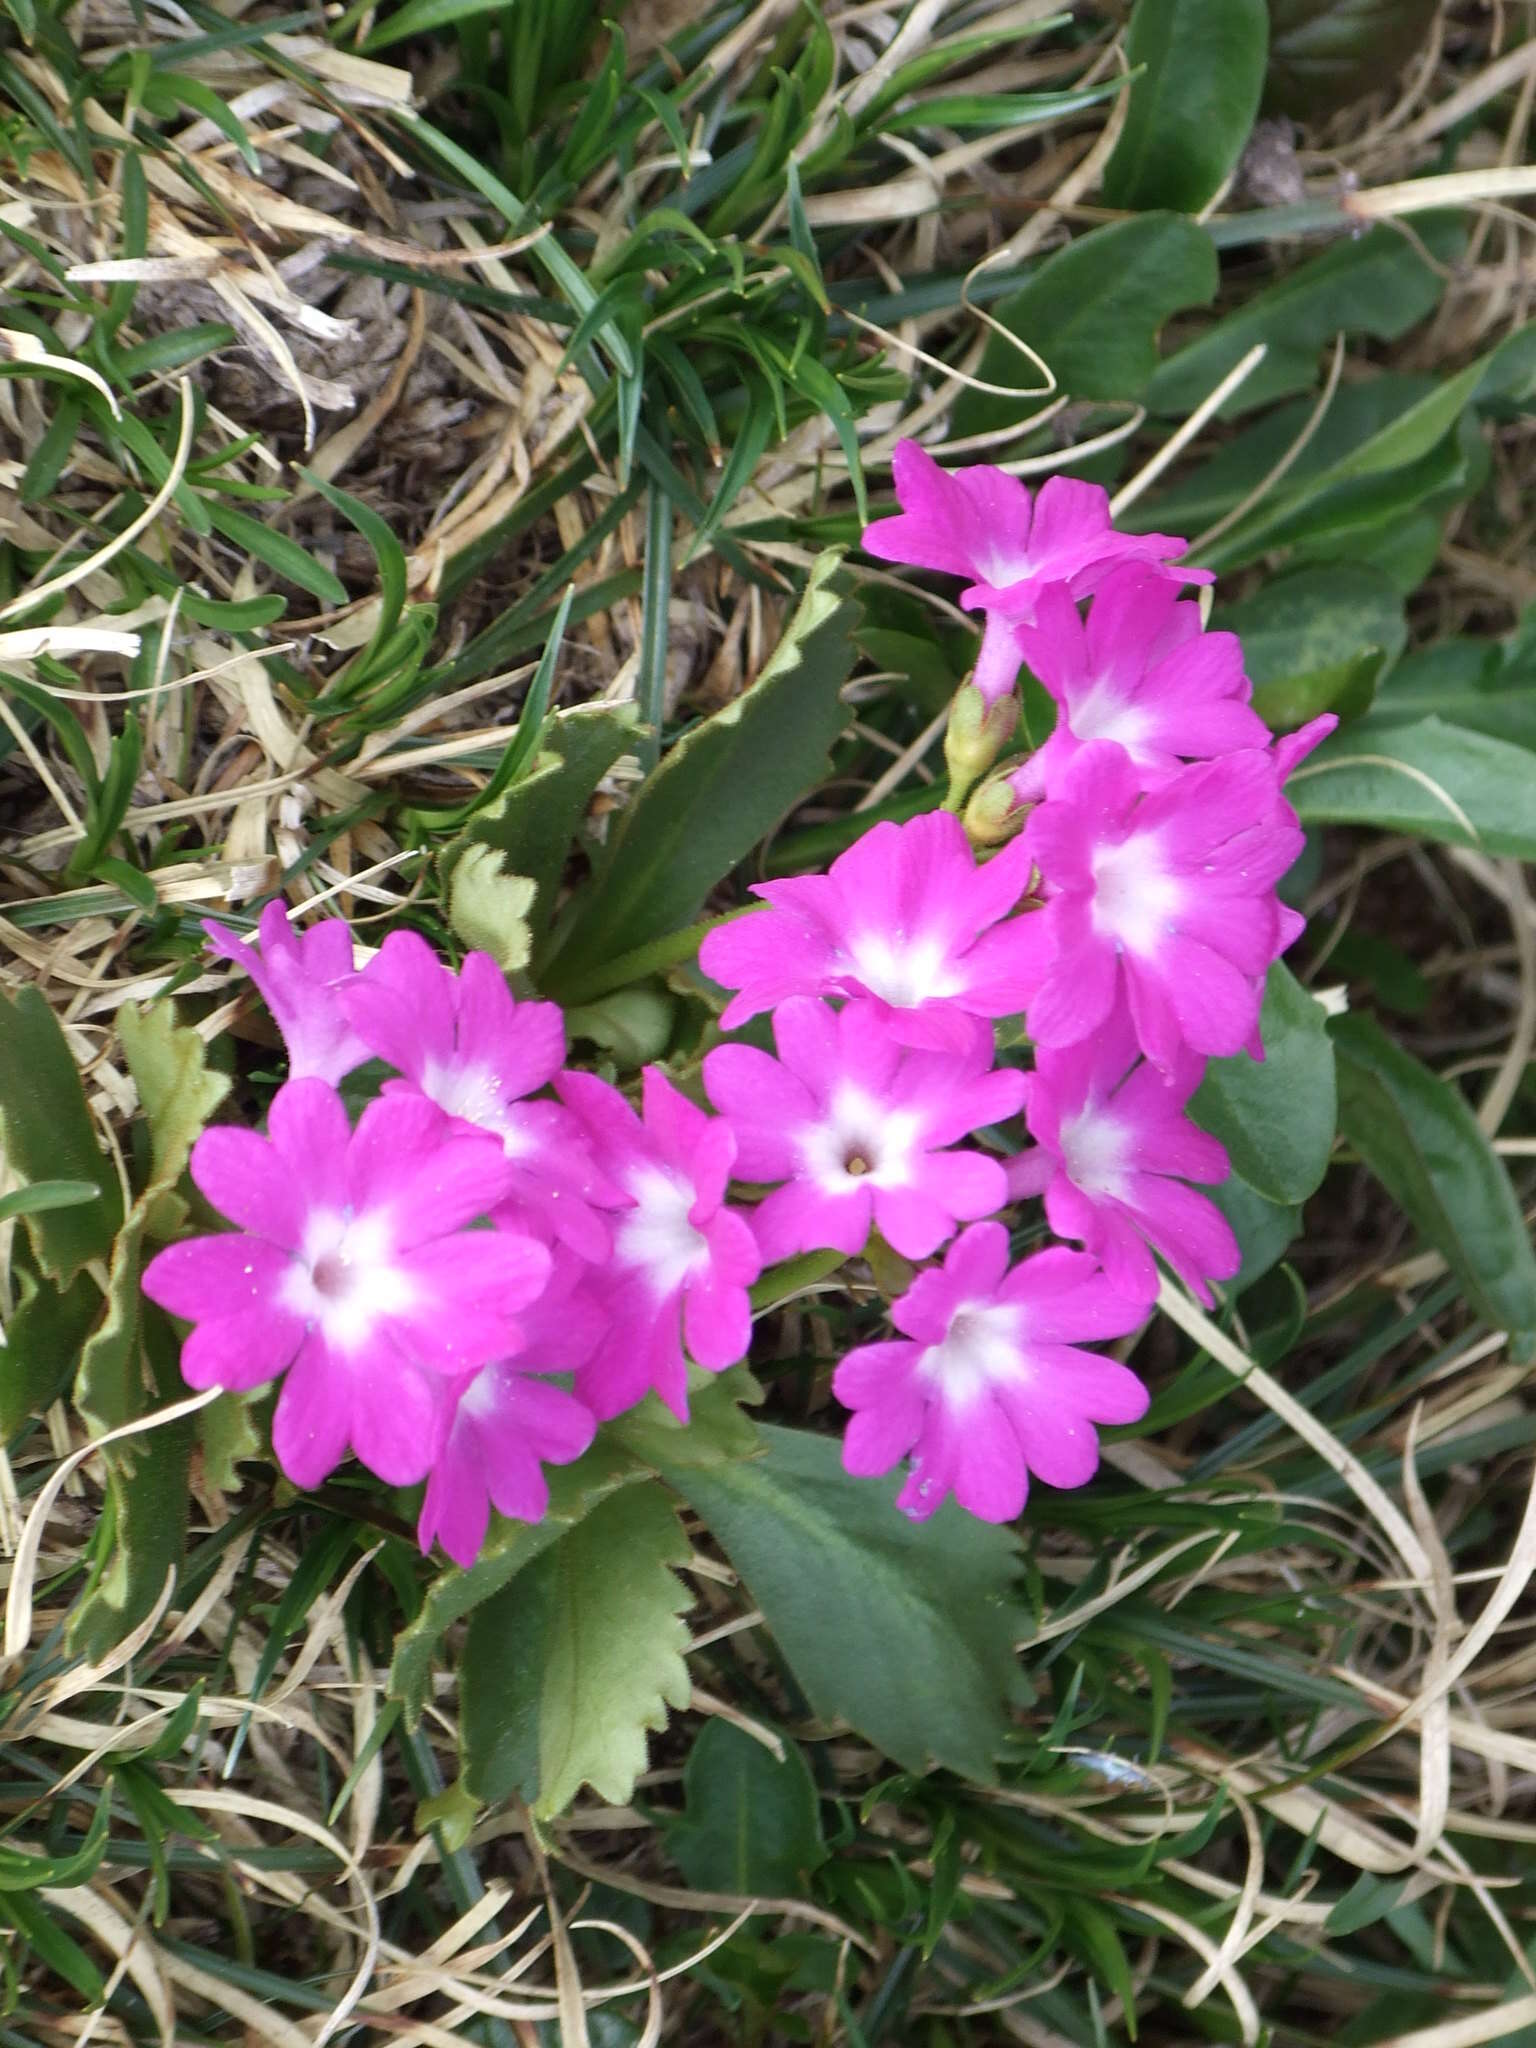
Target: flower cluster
(502, 1252)
(495, 1226)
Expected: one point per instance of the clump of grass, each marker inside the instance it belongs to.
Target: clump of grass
(370, 396)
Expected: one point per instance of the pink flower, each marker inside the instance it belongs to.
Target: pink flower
(906, 917)
(681, 1262)
(1165, 899)
(509, 1422)
(299, 976)
(1113, 1154)
(477, 1053)
(351, 1272)
(981, 523)
(1139, 672)
(853, 1124)
(988, 1383)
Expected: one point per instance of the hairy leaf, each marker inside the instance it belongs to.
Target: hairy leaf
(178, 1092)
(905, 1630)
(43, 1338)
(535, 821)
(718, 1430)
(47, 1134)
(509, 1548)
(750, 1824)
(566, 1670)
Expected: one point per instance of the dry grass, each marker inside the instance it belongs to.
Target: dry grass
(1325, 1533)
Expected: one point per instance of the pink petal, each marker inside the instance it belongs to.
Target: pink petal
(989, 1474)
(245, 1180)
(307, 1122)
(313, 1416)
(215, 1276)
(242, 1349)
(399, 1419)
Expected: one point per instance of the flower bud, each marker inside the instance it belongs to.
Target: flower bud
(976, 734)
(994, 813)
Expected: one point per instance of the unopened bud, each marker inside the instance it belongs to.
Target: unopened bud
(994, 813)
(976, 734)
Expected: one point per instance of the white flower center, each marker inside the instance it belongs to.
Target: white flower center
(345, 1280)
(860, 1142)
(904, 972)
(656, 1235)
(982, 1346)
(1135, 899)
(1094, 1150)
(1005, 563)
(465, 1088)
(1103, 714)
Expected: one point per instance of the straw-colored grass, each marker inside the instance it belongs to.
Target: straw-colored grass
(1325, 1567)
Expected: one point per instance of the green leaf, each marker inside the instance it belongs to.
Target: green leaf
(38, 1926)
(418, 17)
(750, 1824)
(1483, 684)
(717, 1431)
(1314, 618)
(1346, 688)
(1434, 780)
(1380, 285)
(1093, 311)
(565, 1671)
(284, 557)
(225, 1435)
(537, 819)
(1325, 53)
(1419, 1138)
(510, 1546)
(109, 1385)
(1276, 1116)
(906, 1630)
(488, 908)
(149, 1536)
(48, 1136)
(1263, 1229)
(719, 790)
(47, 1194)
(178, 1091)
(43, 1338)
(387, 553)
(1201, 65)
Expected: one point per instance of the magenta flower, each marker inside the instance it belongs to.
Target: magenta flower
(1113, 1153)
(463, 1041)
(509, 1423)
(854, 1125)
(1139, 672)
(905, 917)
(352, 1273)
(681, 1262)
(982, 524)
(1166, 900)
(299, 976)
(987, 1383)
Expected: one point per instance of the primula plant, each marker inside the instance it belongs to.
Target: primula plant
(766, 1023)
(506, 1252)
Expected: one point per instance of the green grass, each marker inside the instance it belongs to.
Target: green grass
(654, 314)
